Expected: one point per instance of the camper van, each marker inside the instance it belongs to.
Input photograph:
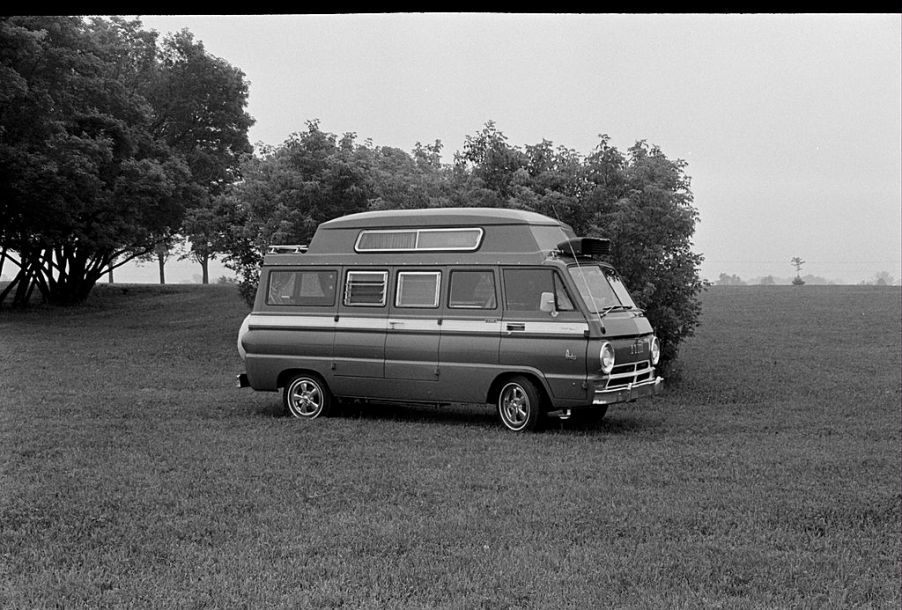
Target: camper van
(498, 307)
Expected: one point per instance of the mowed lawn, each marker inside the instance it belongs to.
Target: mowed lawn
(133, 473)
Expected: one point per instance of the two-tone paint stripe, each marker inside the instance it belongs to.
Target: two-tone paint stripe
(416, 325)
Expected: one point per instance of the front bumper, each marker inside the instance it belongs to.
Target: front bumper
(628, 392)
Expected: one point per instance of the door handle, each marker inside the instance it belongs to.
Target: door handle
(516, 326)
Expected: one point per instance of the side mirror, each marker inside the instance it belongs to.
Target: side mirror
(546, 303)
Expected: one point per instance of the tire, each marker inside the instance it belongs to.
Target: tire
(306, 397)
(520, 404)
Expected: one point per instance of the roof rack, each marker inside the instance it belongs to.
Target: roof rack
(287, 249)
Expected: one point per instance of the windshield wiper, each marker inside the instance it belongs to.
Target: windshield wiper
(606, 310)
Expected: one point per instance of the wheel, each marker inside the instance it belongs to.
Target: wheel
(306, 397)
(519, 404)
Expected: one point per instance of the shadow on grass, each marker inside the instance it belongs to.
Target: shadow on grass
(611, 424)
(479, 416)
(469, 415)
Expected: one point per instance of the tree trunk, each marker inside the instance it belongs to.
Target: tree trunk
(23, 291)
(110, 275)
(205, 266)
(162, 262)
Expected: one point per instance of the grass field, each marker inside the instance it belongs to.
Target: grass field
(134, 475)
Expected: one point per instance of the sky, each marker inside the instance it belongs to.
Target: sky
(791, 125)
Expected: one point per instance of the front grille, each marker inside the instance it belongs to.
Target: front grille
(625, 374)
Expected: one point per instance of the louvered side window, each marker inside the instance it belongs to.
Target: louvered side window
(366, 288)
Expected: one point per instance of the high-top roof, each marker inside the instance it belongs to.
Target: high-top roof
(518, 235)
(457, 217)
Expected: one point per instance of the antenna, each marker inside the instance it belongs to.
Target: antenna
(581, 274)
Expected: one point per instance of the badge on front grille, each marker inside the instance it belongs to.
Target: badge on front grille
(638, 347)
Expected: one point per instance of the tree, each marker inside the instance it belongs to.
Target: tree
(651, 224)
(83, 184)
(89, 176)
(883, 278)
(797, 262)
(199, 102)
(730, 280)
(203, 226)
(287, 191)
(161, 253)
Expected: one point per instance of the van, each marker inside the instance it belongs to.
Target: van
(499, 307)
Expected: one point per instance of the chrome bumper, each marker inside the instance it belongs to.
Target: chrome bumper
(629, 392)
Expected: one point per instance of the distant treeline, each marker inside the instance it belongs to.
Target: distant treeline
(883, 278)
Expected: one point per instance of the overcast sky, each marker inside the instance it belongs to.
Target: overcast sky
(790, 124)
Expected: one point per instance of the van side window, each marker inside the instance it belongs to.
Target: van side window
(472, 290)
(418, 289)
(366, 288)
(523, 289)
(310, 288)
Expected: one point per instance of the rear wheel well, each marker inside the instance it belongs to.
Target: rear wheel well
(286, 375)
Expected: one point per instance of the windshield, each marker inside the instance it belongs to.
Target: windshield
(601, 288)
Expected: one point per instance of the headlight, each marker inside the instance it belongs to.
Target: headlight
(607, 358)
(655, 351)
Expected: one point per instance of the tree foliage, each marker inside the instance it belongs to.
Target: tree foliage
(106, 140)
(199, 103)
(640, 199)
(288, 190)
